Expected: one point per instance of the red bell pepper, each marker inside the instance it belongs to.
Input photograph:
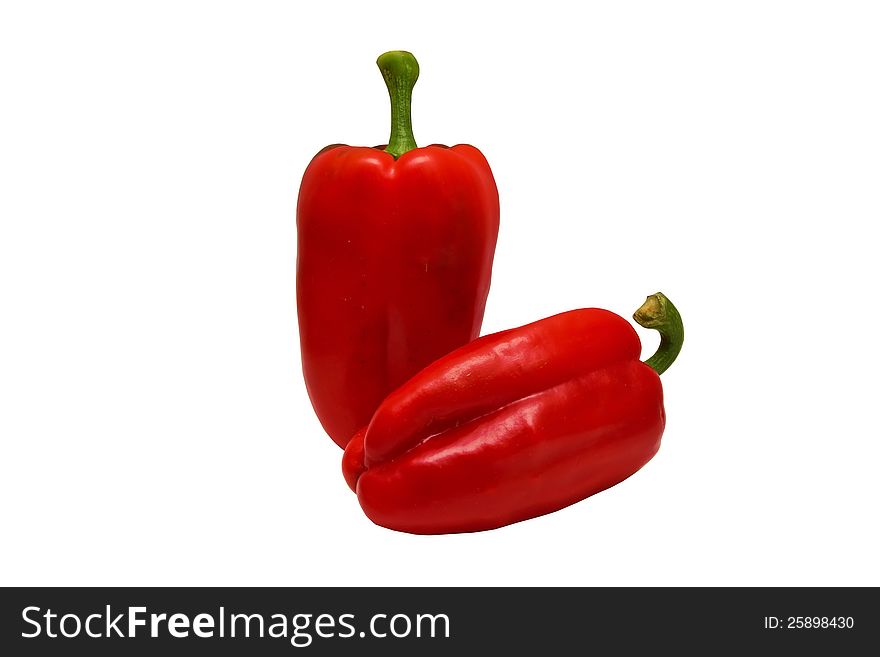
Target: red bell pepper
(516, 424)
(394, 260)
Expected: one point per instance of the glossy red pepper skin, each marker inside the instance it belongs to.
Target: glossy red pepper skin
(511, 426)
(394, 260)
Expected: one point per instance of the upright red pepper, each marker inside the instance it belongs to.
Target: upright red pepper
(394, 259)
(516, 424)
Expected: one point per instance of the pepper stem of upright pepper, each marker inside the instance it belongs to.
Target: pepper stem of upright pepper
(400, 70)
(658, 313)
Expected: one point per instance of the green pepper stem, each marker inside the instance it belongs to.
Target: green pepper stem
(400, 70)
(658, 313)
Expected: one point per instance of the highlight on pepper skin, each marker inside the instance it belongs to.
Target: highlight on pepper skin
(516, 424)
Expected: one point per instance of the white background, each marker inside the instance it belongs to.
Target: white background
(155, 427)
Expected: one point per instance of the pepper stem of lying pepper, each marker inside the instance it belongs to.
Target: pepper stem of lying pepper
(658, 313)
(400, 70)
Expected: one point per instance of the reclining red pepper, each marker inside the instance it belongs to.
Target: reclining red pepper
(394, 258)
(516, 424)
